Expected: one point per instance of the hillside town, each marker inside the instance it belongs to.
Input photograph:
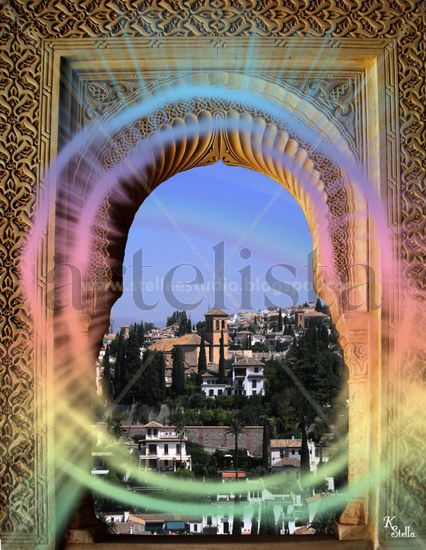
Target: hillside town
(225, 399)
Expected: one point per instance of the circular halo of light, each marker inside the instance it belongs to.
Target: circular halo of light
(80, 252)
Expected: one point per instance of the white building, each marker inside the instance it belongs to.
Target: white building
(211, 387)
(247, 377)
(286, 453)
(163, 449)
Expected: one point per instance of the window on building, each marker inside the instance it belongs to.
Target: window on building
(209, 520)
(217, 324)
(155, 431)
(256, 369)
(223, 324)
(292, 452)
(254, 383)
(219, 392)
(149, 431)
(211, 393)
(178, 448)
(166, 448)
(195, 528)
(226, 527)
(253, 392)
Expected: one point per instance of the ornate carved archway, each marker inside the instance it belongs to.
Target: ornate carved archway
(209, 130)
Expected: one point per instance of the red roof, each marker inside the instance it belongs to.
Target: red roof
(232, 474)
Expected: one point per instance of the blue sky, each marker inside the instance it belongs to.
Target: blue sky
(186, 217)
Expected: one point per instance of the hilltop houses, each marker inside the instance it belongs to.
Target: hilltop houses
(286, 453)
(163, 448)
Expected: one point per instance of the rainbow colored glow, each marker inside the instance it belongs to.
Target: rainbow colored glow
(75, 191)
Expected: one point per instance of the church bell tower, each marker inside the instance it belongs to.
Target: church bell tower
(216, 325)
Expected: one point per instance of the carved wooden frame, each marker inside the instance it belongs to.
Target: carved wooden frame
(28, 145)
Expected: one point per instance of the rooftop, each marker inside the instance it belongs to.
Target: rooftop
(248, 361)
(153, 424)
(290, 461)
(286, 443)
(216, 312)
(167, 344)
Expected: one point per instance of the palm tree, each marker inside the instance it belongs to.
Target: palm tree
(236, 428)
(116, 429)
(181, 433)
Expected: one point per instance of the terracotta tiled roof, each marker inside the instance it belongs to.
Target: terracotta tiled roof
(217, 312)
(249, 362)
(231, 474)
(167, 344)
(286, 443)
(315, 314)
(153, 424)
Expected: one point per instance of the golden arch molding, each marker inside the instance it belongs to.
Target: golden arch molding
(379, 45)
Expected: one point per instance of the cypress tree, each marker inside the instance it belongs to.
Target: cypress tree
(267, 520)
(107, 382)
(189, 326)
(266, 442)
(236, 524)
(152, 387)
(161, 372)
(318, 305)
(178, 372)
(304, 453)
(141, 334)
(280, 321)
(254, 523)
(119, 379)
(133, 364)
(202, 361)
(221, 360)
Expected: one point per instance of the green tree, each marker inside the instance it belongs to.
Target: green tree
(280, 321)
(259, 347)
(181, 434)
(152, 386)
(255, 523)
(189, 326)
(119, 370)
(236, 524)
(132, 366)
(116, 429)
(267, 519)
(266, 440)
(221, 360)
(202, 361)
(141, 334)
(318, 305)
(236, 428)
(304, 452)
(201, 328)
(107, 378)
(178, 372)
